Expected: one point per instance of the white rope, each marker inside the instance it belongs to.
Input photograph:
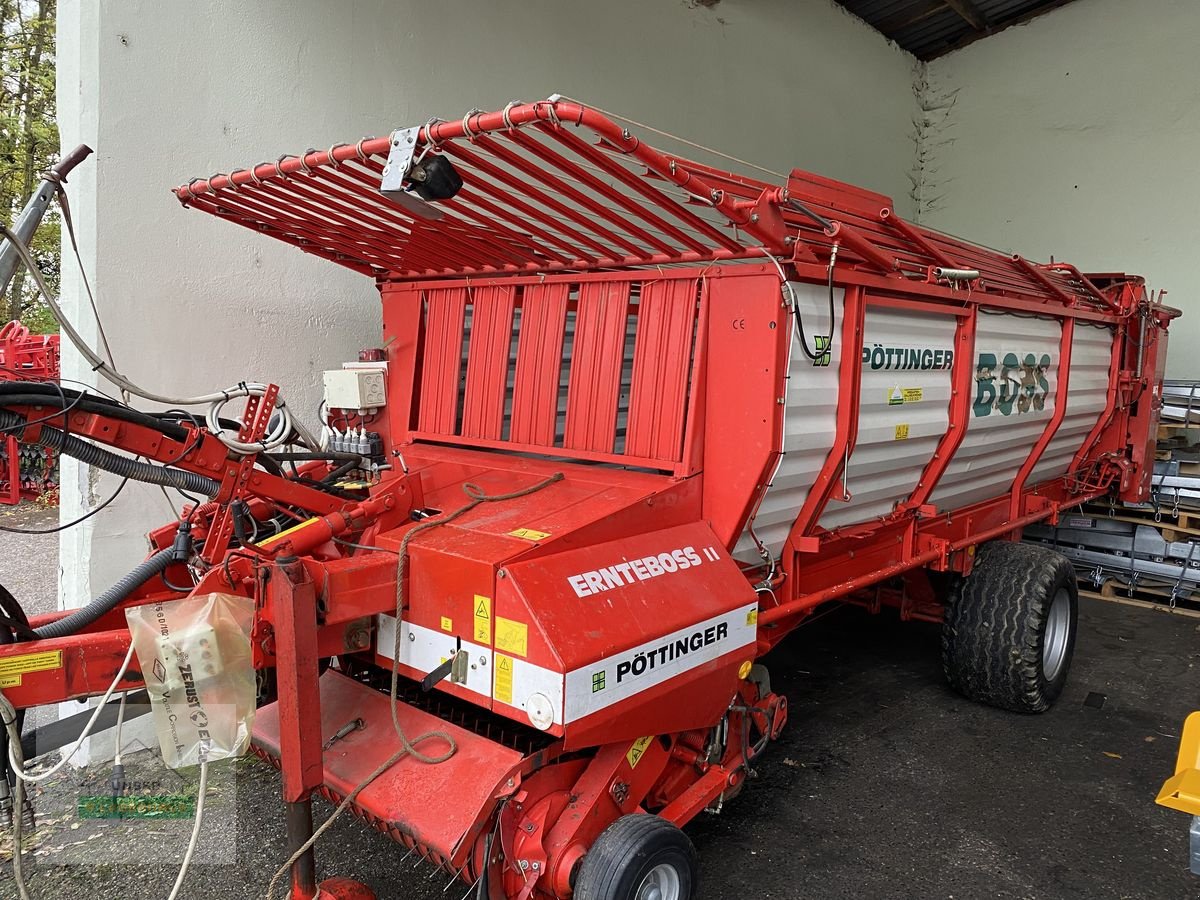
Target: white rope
(191, 847)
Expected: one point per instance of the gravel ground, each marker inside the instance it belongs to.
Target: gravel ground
(884, 785)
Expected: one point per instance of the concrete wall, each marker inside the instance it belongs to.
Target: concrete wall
(1076, 135)
(169, 90)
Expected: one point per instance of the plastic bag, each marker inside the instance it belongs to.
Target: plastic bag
(196, 661)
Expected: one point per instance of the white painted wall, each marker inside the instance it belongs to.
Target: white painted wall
(1076, 135)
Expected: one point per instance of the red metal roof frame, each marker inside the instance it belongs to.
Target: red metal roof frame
(558, 186)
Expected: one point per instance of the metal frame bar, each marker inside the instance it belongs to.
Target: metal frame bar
(1062, 383)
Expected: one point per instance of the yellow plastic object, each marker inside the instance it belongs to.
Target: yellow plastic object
(1182, 790)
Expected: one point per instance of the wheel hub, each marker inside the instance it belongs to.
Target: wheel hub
(660, 883)
(1058, 633)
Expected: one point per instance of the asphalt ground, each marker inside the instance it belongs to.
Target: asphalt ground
(884, 785)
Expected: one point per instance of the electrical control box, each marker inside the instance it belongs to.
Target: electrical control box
(354, 388)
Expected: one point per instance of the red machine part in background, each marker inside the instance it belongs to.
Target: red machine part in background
(27, 471)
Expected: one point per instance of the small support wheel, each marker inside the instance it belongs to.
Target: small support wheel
(1009, 631)
(639, 857)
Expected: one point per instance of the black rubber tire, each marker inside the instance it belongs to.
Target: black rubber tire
(994, 632)
(627, 851)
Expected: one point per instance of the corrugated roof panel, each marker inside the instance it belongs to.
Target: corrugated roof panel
(931, 34)
(929, 28)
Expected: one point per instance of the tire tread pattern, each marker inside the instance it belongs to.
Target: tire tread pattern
(992, 635)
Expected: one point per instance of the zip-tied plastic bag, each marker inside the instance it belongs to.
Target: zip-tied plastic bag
(196, 661)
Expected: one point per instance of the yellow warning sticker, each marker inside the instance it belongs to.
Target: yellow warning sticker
(503, 690)
(512, 637)
(483, 619)
(530, 534)
(447, 623)
(638, 750)
(902, 432)
(752, 617)
(29, 662)
(898, 396)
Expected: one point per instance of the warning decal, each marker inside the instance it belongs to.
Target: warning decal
(512, 637)
(529, 534)
(637, 751)
(483, 619)
(504, 679)
(902, 432)
(898, 396)
(13, 667)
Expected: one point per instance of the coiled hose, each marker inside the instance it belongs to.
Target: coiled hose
(83, 451)
(81, 618)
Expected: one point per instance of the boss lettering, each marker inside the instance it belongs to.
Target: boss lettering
(1012, 384)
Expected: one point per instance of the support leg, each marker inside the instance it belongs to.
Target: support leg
(293, 601)
(294, 604)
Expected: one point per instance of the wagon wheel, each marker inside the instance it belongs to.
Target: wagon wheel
(639, 857)
(1010, 628)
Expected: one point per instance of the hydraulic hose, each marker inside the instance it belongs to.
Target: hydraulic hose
(16, 393)
(112, 462)
(81, 618)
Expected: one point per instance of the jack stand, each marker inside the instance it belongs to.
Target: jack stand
(294, 599)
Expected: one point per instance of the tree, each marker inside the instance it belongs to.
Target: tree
(28, 143)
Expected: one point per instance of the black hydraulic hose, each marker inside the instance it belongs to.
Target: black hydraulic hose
(31, 393)
(112, 462)
(336, 474)
(81, 618)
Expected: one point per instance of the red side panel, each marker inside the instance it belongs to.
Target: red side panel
(661, 367)
(487, 361)
(539, 362)
(747, 372)
(442, 363)
(596, 366)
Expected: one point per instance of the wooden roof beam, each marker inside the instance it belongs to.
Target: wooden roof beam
(970, 13)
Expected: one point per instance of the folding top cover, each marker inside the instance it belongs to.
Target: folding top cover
(558, 186)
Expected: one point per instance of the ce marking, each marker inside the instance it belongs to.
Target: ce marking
(738, 324)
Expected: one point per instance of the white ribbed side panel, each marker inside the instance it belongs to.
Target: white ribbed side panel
(810, 420)
(1087, 397)
(996, 444)
(904, 411)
